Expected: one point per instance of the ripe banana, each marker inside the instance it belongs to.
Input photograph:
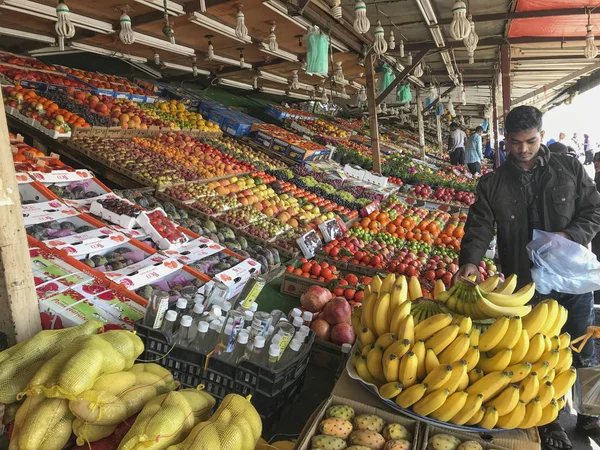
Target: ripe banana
(564, 381)
(471, 407)
(391, 364)
(551, 376)
(540, 369)
(490, 284)
(366, 337)
(490, 384)
(489, 309)
(420, 351)
(512, 335)
(546, 393)
(442, 339)
(406, 329)
(438, 288)
(374, 364)
(547, 343)
(390, 390)
(412, 395)
(535, 320)
(399, 314)
(529, 388)
(465, 325)
(398, 348)
(561, 402)
(490, 418)
(431, 402)
(395, 299)
(549, 413)
(381, 314)
(366, 349)
(553, 312)
(533, 414)
(451, 407)
(368, 308)
(521, 348)
(519, 371)
(555, 342)
(456, 350)
(459, 369)
(513, 418)
(431, 360)
(414, 288)
(368, 290)
(376, 284)
(498, 362)
(536, 349)
(564, 340)
(475, 336)
(464, 382)
(551, 357)
(355, 320)
(556, 328)
(388, 283)
(385, 340)
(427, 328)
(401, 286)
(475, 375)
(438, 376)
(472, 357)
(565, 360)
(363, 371)
(407, 372)
(509, 285)
(506, 401)
(494, 334)
(518, 299)
(477, 417)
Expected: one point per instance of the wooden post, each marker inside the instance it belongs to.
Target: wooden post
(438, 123)
(505, 68)
(421, 125)
(374, 127)
(19, 309)
(495, 120)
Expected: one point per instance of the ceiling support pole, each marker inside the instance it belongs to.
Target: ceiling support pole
(371, 101)
(421, 125)
(496, 135)
(438, 124)
(505, 68)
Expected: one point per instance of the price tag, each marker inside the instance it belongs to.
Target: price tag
(431, 206)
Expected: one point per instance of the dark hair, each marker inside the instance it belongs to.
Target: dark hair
(453, 125)
(523, 118)
(558, 147)
(597, 156)
(478, 129)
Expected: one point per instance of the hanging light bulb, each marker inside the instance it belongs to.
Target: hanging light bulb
(450, 108)
(402, 49)
(273, 45)
(362, 95)
(241, 50)
(167, 29)
(202, 6)
(241, 31)
(418, 72)
(194, 67)
(379, 46)
(391, 40)
(338, 75)
(336, 10)
(384, 109)
(156, 58)
(460, 27)
(409, 59)
(126, 35)
(361, 22)
(211, 50)
(471, 40)
(255, 82)
(378, 110)
(324, 97)
(591, 51)
(64, 27)
(295, 82)
(463, 95)
(432, 91)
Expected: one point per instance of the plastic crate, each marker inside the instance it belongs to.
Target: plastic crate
(270, 389)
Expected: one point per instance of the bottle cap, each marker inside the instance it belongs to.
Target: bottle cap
(216, 325)
(297, 323)
(259, 342)
(203, 326)
(186, 321)
(254, 307)
(181, 303)
(248, 316)
(346, 348)
(242, 337)
(295, 344)
(171, 316)
(198, 308)
(226, 307)
(215, 312)
(283, 319)
(274, 350)
(307, 316)
(295, 312)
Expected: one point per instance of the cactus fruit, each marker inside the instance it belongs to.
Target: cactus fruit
(333, 426)
(357, 447)
(368, 438)
(340, 412)
(443, 442)
(470, 445)
(396, 431)
(324, 442)
(397, 444)
(369, 422)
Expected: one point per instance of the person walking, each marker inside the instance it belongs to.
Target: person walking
(536, 189)
(474, 151)
(456, 145)
(587, 149)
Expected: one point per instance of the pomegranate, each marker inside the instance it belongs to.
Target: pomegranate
(342, 333)
(321, 328)
(315, 298)
(337, 310)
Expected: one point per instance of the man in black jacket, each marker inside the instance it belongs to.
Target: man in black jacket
(535, 189)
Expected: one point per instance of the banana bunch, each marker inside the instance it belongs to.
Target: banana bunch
(515, 374)
(488, 300)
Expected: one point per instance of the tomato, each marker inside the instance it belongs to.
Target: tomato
(334, 252)
(429, 275)
(359, 255)
(359, 296)
(324, 265)
(338, 291)
(303, 260)
(366, 280)
(321, 279)
(411, 271)
(333, 269)
(447, 278)
(351, 279)
(376, 260)
(366, 260)
(342, 282)
(439, 273)
(349, 294)
(305, 274)
(289, 269)
(306, 267)
(326, 273)
(316, 270)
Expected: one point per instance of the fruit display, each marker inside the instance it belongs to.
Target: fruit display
(214, 264)
(114, 260)
(443, 441)
(119, 207)
(178, 117)
(267, 228)
(102, 81)
(449, 196)
(320, 127)
(23, 75)
(496, 364)
(176, 288)
(159, 222)
(323, 272)
(55, 229)
(214, 205)
(288, 137)
(24, 61)
(246, 153)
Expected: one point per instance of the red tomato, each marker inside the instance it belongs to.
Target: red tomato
(334, 252)
(326, 273)
(338, 291)
(351, 279)
(303, 260)
(447, 278)
(306, 267)
(359, 255)
(324, 265)
(289, 269)
(343, 282)
(359, 296)
(349, 294)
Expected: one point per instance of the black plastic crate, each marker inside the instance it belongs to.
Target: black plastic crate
(270, 389)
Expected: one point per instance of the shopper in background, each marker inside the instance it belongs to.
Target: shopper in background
(456, 145)
(536, 189)
(561, 137)
(596, 240)
(474, 151)
(487, 145)
(587, 149)
(502, 154)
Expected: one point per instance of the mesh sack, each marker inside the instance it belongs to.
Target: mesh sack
(87, 432)
(76, 368)
(167, 419)
(41, 423)
(236, 425)
(20, 362)
(111, 442)
(117, 396)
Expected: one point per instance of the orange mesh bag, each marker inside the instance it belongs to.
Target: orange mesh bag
(76, 368)
(168, 419)
(19, 363)
(236, 425)
(41, 424)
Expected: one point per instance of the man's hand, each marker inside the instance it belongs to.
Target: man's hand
(466, 271)
(563, 234)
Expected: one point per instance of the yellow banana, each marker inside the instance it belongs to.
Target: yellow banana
(494, 334)
(428, 327)
(498, 362)
(366, 336)
(556, 328)
(412, 395)
(376, 284)
(401, 286)
(521, 348)
(368, 291)
(374, 364)
(471, 407)
(550, 376)
(406, 329)
(517, 299)
(388, 283)
(366, 349)
(549, 413)
(451, 407)
(391, 364)
(385, 340)
(407, 372)
(536, 349)
(472, 357)
(438, 376)
(475, 375)
(555, 342)
(564, 381)
(489, 309)
(475, 336)
(509, 285)
(506, 401)
(565, 359)
(398, 348)
(534, 321)
(400, 313)
(513, 418)
(551, 357)
(533, 414)
(395, 300)
(529, 388)
(414, 288)
(464, 382)
(561, 402)
(355, 320)
(541, 369)
(477, 417)
(459, 369)
(564, 340)
(431, 402)
(431, 361)
(465, 325)
(438, 288)
(368, 308)
(363, 371)
(456, 350)
(490, 384)
(390, 390)
(440, 340)
(553, 312)
(547, 343)
(519, 371)
(490, 284)
(490, 418)
(546, 393)
(420, 351)
(512, 335)
(442, 296)
(381, 314)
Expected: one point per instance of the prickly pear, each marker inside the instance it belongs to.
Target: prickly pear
(336, 427)
(371, 439)
(396, 431)
(443, 442)
(397, 444)
(470, 445)
(369, 422)
(341, 412)
(327, 442)
(357, 447)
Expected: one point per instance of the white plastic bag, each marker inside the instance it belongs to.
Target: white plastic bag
(562, 265)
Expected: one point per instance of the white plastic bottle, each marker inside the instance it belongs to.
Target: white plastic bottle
(180, 309)
(296, 312)
(297, 323)
(273, 356)
(240, 348)
(285, 331)
(307, 317)
(200, 340)
(168, 326)
(291, 352)
(182, 337)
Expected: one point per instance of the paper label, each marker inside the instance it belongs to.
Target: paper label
(58, 176)
(150, 274)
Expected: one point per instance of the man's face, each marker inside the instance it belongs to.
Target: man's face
(524, 145)
(597, 164)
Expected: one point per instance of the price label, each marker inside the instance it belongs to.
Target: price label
(431, 206)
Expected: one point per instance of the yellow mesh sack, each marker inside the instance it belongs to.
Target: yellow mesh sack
(87, 432)
(20, 362)
(76, 368)
(118, 396)
(41, 424)
(168, 419)
(236, 425)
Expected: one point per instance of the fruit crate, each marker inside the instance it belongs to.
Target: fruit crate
(271, 390)
(326, 355)
(486, 440)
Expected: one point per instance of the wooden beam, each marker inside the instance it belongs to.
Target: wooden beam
(492, 42)
(20, 316)
(371, 101)
(402, 76)
(421, 124)
(438, 126)
(495, 121)
(505, 70)
(436, 101)
(298, 9)
(559, 82)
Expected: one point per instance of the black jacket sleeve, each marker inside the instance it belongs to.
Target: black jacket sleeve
(479, 229)
(586, 223)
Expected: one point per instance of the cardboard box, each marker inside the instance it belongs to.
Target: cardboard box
(295, 285)
(236, 277)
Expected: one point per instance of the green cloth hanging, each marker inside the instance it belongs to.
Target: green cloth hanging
(317, 52)
(386, 79)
